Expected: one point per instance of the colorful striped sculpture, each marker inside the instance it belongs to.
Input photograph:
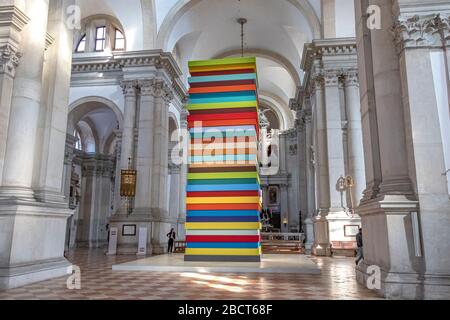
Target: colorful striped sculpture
(223, 191)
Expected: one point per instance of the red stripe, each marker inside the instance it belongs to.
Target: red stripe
(237, 88)
(227, 206)
(224, 116)
(221, 83)
(224, 123)
(223, 194)
(223, 238)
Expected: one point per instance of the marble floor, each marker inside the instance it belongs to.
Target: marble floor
(99, 281)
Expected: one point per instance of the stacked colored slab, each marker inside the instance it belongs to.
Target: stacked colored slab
(223, 191)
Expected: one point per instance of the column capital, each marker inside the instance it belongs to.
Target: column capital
(183, 118)
(129, 88)
(350, 77)
(421, 31)
(332, 77)
(317, 81)
(156, 88)
(9, 60)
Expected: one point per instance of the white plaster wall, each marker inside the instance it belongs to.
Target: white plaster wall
(345, 18)
(162, 9)
(437, 62)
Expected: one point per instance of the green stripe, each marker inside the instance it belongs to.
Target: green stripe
(223, 105)
(217, 62)
(223, 181)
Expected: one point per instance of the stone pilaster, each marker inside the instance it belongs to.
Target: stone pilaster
(355, 140)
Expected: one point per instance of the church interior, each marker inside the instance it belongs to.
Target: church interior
(350, 158)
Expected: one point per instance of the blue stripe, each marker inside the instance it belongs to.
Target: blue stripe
(225, 77)
(239, 157)
(223, 245)
(222, 213)
(223, 219)
(220, 130)
(223, 187)
(213, 95)
(219, 100)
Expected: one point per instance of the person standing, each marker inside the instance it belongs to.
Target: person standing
(359, 243)
(171, 235)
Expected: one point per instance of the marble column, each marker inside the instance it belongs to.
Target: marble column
(25, 105)
(129, 124)
(174, 194)
(184, 144)
(355, 140)
(12, 21)
(39, 255)
(322, 245)
(144, 159)
(335, 146)
(53, 113)
(310, 182)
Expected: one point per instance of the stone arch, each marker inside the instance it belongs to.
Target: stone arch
(81, 107)
(283, 113)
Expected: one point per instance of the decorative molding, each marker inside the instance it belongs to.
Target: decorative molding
(12, 16)
(421, 31)
(156, 88)
(86, 70)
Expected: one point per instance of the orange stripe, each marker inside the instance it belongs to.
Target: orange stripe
(247, 87)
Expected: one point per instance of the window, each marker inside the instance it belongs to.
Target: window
(78, 145)
(101, 34)
(81, 47)
(100, 39)
(119, 43)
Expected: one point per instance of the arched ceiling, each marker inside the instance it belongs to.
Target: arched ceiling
(275, 33)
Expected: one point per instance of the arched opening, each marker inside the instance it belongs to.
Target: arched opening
(91, 172)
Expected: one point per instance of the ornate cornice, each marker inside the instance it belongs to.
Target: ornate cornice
(9, 60)
(12, 16)
(421, 31)
(139, 64)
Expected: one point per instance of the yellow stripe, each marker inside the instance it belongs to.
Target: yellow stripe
(226, 61)
(224, 252)
(224, 67)
(223, 226)
(223, 175)
(222, 200)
